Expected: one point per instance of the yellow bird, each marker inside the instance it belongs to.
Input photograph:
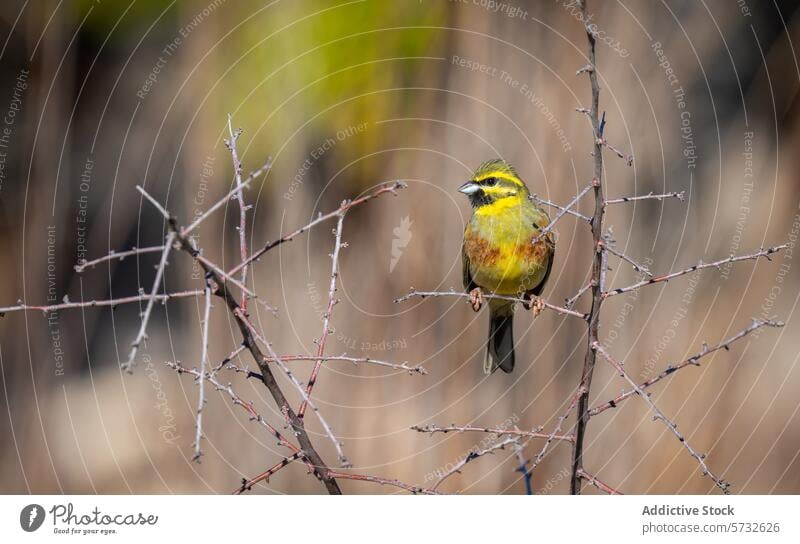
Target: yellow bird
(502, 254)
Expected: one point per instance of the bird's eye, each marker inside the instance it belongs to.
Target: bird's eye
(491, 182)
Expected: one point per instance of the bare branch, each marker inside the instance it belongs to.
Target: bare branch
(154, 202)
(247, 407)
(649, 196)
(570, 302)
(597, 483)
(247, 485)
(389, 188)
(608, 244)
(201, 382)
(474, 455)
(573, 401)
(659, 415)
(383, 481)
(538, 199)
(299, 386)
(226, 360)
(624, 156)
(700, 266)
(355, 360)
(237, 170)
(543, 232)
(424, 294)
(233, 192)
(100, 303)
(433, 429)
(693, 360)
(326, 318)
(142, 335)
(598, 261)
(113, 255)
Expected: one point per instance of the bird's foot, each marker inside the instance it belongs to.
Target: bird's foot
(476, 298)
(532, 302)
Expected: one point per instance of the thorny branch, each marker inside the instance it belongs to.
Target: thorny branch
(472, 455)
(693, 360)
(649, 196)
(419, 369)
(699, 266)
(658, 414)
(433, 429)
(326, 318)
(597, 262)
(388, 188)
(142, 335)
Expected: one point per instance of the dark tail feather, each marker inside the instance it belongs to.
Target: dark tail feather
(500, 348)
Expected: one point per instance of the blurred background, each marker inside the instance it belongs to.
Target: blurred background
(98, 97)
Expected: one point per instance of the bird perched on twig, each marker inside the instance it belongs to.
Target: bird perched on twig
(503, 253)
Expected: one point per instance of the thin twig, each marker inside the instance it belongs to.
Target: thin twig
(247, 485)
(649, 196)
(433, 429)
(389, 188)
(100, 303)
(217, 205)
(608, 244)
(226, 360)
(201, 382)
(598, 484)
(416, 490)
(693, 360)
(659, 415)
(237, 171)
(424, 294)
(474, 455)
(570, 302)
(624, 156)
(699, 266)
(113, 255)
(326, 318)
(538, 199)
(543, 232)
(573, 401)
(419, 369)
(142, 335)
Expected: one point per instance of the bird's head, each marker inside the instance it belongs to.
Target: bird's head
(494, 180)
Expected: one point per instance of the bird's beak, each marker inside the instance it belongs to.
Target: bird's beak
(469, 188)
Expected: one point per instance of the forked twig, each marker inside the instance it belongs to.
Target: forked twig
(659, 415)
(693, 360)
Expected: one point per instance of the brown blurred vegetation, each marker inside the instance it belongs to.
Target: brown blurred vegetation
(377, 79)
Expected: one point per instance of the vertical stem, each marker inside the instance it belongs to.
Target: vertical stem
(597, 268)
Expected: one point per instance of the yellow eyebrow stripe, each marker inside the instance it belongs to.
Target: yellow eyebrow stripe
(499, 174)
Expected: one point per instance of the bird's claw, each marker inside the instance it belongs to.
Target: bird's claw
(532, 302)
(476, 298)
